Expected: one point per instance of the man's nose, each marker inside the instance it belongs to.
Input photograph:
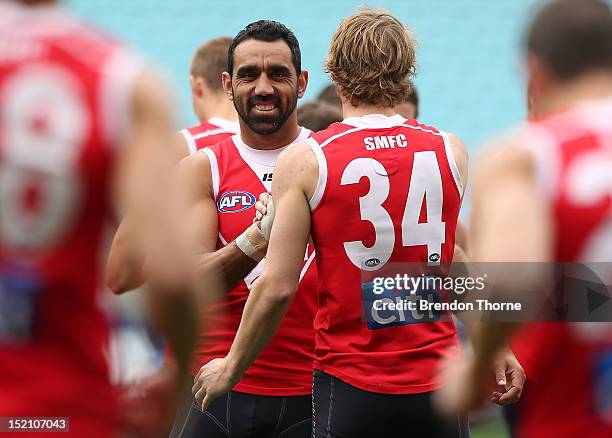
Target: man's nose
(263, 87)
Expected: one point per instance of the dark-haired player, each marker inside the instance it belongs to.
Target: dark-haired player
(264, 79)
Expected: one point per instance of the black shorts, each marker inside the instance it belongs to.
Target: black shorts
(342, 410)
(240, 415)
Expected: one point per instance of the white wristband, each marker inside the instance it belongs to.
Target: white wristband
(243, 242)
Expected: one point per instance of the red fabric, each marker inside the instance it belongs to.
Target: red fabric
(561, 360)
(61, 369)
(398, 359)
(207, 134)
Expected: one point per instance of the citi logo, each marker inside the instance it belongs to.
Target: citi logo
(235, 201)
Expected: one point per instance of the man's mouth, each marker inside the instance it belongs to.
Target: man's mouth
(264, 107)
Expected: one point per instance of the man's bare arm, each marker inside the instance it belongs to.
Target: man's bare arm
(124, 267)
(510, 223)
(229, 265)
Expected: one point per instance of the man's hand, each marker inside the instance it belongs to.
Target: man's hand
(264, 214)
(510, 374)
(213, 380)
(466, 390)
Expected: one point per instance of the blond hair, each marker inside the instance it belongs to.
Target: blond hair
(371, 57)
(210, 60)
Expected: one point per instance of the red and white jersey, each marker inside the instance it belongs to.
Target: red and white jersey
(569, 365)
(64, 104)
(393, 186)
(239, 175)
(208, 133)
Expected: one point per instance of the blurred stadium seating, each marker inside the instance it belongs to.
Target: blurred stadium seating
(469, 76)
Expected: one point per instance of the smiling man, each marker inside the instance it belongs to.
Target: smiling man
(264, 79)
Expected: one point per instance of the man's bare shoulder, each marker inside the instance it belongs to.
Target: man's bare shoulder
(298, 165)
(503, 156)
(299, 154)
(195, 170)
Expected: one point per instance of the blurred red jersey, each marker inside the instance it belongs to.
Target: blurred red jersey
(208, 133)
(568, 392)
(239, 175)
(64, 97)
(394, 187)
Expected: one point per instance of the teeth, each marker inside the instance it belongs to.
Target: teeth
(264, 107)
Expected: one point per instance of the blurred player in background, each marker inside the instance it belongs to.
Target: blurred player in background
(218, 118)
(329, 95)
(547, 186)
(354, 186)
(264, 79)
(409, 107)
(84, 127)
(318, 115)
(218, 121)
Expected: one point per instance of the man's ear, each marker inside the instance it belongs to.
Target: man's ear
(226, 80)
(302, 83)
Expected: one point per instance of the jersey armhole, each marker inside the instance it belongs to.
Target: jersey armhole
(214, 170)
(189, 140)
(322, 178)
(115, 94)
(451, 162)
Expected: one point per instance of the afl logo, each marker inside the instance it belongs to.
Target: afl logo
(434, 257)
(370, 263)
(233, 202)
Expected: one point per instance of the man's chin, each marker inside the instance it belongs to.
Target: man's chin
(264, 126)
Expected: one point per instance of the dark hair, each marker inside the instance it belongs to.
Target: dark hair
(413, 98)
(318, 115)
(266, 30)
(209, 61)
(330, 96)
(572, 37)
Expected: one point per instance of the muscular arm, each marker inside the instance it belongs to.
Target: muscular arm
(229, 265)
(124, 267)
(274, 290)
(510, 223)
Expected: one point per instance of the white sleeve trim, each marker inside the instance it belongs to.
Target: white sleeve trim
(451, 161)
(189, 140)
(214, 170)
(322, 179)
(115, 94)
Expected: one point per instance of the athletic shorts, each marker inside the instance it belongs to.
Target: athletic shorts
(342, 410)
(240, 415)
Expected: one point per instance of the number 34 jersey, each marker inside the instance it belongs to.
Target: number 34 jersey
(394, 188)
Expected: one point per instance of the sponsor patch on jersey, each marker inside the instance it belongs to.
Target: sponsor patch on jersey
(235, 201)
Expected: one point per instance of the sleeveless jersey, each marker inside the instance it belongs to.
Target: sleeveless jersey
(569, 365)
(64, 102)
(389, 191)
(208, 133)
(239, 175)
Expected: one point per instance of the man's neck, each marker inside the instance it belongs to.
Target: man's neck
(349, 110)
(596, 85)
(284, 136)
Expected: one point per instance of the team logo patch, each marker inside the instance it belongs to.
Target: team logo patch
(235, 201)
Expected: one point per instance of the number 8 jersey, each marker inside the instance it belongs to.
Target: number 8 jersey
(389, 192)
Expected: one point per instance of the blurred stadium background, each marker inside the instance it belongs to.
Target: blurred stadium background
(469, 74)
(469, 81)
